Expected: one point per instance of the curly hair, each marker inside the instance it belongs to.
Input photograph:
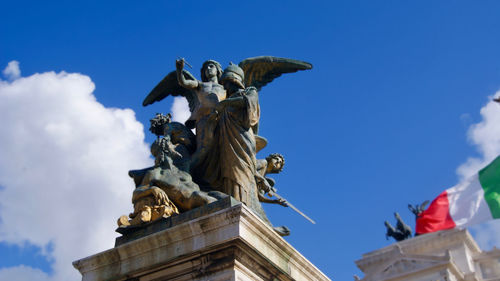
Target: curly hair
(276, 155)
(204, 78)
(158, 123)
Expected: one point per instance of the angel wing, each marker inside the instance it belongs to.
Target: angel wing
(259, 71)
(170, 86)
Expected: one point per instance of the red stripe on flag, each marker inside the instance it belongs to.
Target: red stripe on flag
(436, 217)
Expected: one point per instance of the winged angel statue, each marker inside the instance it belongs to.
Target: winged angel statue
(225, 112)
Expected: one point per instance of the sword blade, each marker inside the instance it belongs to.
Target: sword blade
(293, 207)
(302, 214)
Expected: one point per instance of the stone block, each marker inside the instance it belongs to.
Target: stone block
(221, 241)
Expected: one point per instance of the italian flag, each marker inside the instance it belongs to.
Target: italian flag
(473, 201)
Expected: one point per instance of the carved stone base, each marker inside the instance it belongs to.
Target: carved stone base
(444, 255)
(226, 244)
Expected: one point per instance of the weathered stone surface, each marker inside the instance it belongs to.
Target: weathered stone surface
(444, 255)
(227, 244)
(132, 233)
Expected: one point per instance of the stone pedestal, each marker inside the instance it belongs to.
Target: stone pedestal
(225, 242)
(451, 255)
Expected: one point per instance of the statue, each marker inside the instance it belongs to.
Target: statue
(150, 204)
(401, 232)
(168, 183)
(220, 160)
(231, 164)
(202, 97)
(418, 209)
(272, 164)
(208, 91)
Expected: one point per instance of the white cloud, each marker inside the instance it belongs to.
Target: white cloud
(23, 273)
(486, 234)
(180, 110)
(12, 70)
(485, 136)
(63, 168)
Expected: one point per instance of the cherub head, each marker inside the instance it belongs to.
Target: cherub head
(275, 163)
(210, 69)
(158, 123)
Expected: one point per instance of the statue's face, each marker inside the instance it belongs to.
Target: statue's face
(231, 86)
(210, 70)
(275, 164)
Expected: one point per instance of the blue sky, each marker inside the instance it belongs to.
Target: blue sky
(385, 117)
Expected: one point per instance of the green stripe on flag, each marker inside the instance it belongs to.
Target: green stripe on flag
(489, 177)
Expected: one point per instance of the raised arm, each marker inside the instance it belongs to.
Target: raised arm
(188, 84)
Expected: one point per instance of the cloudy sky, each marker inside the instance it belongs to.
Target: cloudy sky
(396, 109)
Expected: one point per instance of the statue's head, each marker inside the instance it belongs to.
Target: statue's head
(275, 163)
(159, 122)
(210, 68)
(234, 75)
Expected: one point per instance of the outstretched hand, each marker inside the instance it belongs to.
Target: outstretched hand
(179, 64)
(282, 202)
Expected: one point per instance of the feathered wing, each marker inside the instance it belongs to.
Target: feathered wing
(259, 71)
(170, 86)
(423, 205)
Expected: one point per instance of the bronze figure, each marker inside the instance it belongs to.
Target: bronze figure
(220, 159)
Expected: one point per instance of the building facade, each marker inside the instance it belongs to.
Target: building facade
(450, 255)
